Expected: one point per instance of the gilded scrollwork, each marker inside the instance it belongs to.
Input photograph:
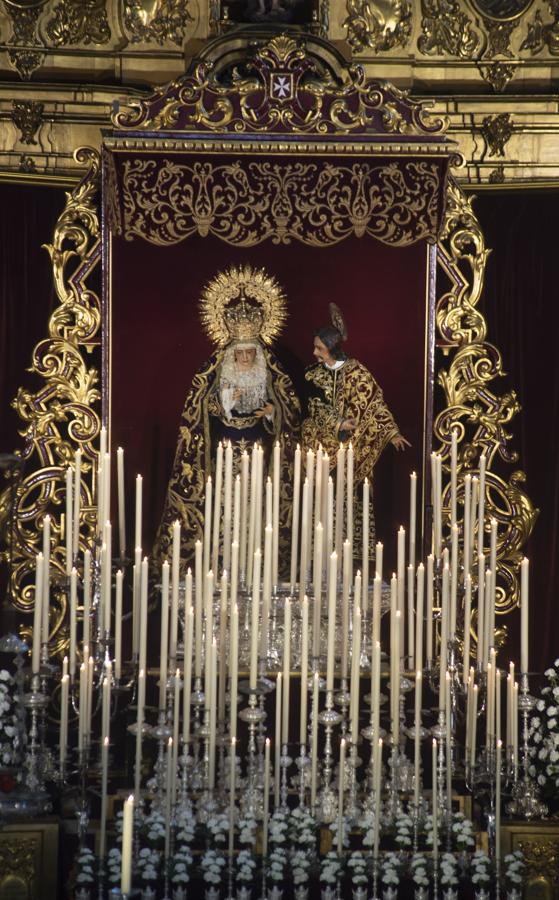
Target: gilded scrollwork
(27, 116)
(63, 413)
(159, 21)
(542, 35)
(481, 415)
(281, 89)
(79, 22)
(446, 28)
(25, 54)
(379, 26)
(497, 131)
(166, 202)
(497, 74)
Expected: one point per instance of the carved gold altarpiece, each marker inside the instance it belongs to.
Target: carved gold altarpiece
(278, 141)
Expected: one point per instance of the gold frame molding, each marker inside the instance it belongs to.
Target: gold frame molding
(66, 411)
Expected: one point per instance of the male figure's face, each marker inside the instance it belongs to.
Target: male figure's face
(244, 357)
(322, 353)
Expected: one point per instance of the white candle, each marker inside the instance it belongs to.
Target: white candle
(209, 610)
(379, 560)
(46, 581)
(86, 594)
(401, 572)
(275, 512)
(467, 626)
(244, 513)
(138, 516)
(444, 635)
(305, 529)
(37, 614)
(377, 772)
(63, 720)
(127, 834)
(317, 584)
(143, 614)
(68, 527)
(77, 498)
(233, 670)
(187, 671)
(341, 779)
(213, 710)
(121, 507)
(340, 487)
(480, 534)
(475, 690)
(168, 796)
(198, 607)
(365, 567)
(136, 586)
(254, 620)
(395, 683)
(175, 575)
(466, 525)
(277, 738)
(232, 774)
(222, 652)
(411, 621)
(331, 623)
(350, 496)
(286, 670)
(347, 570)
(377, 601)
(208, 501)
(498, 802)
(417, 738)
(304, 670)
(107, 487)
(217, 506)
(252, 514)
(413, 526)
(295, 518)
(453, 476)
(314, 738)
(420, 579)
(524, 601)
(453, 581)
(355, 666)
(73, 618)
(164, 644)
(265, 817)
(236, 511)
(227, 506)
(266, 589)
(429, 625)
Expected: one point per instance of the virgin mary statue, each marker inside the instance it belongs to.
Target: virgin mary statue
(241, 394)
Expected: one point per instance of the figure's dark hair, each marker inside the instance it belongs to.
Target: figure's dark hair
(332, 339)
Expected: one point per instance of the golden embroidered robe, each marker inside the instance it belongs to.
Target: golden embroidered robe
(348, 392)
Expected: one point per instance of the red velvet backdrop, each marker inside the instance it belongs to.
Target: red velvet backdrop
(158, 342)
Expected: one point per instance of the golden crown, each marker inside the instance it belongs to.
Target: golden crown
(242, 303)
(243, 319)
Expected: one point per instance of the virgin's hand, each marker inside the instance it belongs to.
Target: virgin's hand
(266, 410)
(237, 394)
(348, 425)
(400, 442)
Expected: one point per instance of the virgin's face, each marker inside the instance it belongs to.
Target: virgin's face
(322, 353)
(244, 358)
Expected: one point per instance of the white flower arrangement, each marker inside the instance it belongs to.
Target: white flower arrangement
(181, 863)
(449, 870)
(153, 829)
(345, 832)
(418, 868)
(463, 832)
(367, 825)
(114, 863)
(404, 832)
(331, 868)
(544, 734)
(218, 826)
(303, 828)
(186, 826)
(8, 729)
(278, 827)
(429, 832)
(480, 869)
(514, 868)
(211, 864)
(301, 863)
(391, 869)
(247, 831)
(85, 863)
(357, 865)
(148, 864)
(277, 864)
(245, 867)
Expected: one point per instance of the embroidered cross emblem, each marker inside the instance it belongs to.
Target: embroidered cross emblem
(282, 86)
